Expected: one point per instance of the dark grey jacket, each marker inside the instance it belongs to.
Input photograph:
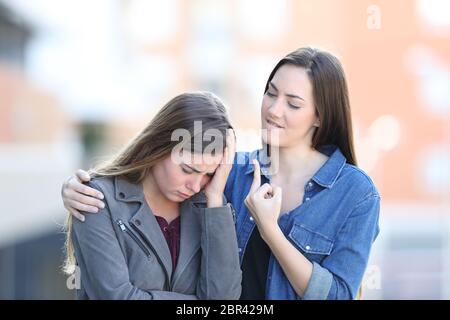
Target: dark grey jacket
(122, 253)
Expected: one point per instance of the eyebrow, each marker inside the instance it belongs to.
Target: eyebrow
(198, 171)
(287, 95)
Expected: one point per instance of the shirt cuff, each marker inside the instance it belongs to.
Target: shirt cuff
(319, 285)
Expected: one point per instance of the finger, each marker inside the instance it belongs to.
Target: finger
(225, 157)
(224, 168)
(264, 192)
(81, 206)
(256, 177)
(277, 194)
(77, 214)
(229, 150)
(83, 175)
(85, 199)
(81, 188)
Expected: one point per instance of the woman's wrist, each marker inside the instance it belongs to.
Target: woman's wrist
(270, 232)
(214, 199)
(213, 202)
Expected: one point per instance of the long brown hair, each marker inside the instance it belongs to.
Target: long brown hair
(154, 143)
(331, 99)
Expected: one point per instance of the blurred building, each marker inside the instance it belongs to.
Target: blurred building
(32, 130)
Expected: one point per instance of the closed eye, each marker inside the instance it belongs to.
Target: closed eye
(186, 171)
(293, 106)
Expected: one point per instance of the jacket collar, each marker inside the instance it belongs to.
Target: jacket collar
(330, 171)
(127, 191)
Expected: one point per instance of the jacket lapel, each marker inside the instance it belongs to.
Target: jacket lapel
(145, 222)
(190, 233)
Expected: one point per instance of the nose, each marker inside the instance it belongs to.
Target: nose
(195, 184)
(276, 109)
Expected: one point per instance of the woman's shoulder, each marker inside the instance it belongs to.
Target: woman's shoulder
(102, 183)
(96, 222)
(359, 181)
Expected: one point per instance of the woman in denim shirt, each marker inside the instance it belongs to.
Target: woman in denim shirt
(315, 212)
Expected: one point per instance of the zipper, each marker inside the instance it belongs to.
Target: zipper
(233, 212)
(124, 228)
(168, 286)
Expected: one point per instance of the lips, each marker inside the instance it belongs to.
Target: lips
(184, 195)
(274, 124)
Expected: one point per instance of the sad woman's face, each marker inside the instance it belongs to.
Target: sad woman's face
(180, 181)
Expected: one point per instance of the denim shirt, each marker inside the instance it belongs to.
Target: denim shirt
(334, 227)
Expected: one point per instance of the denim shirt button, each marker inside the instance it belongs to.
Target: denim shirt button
(308, 247)
(240, 249)
(251, 218)
(307, 199)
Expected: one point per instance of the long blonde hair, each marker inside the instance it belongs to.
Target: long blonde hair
(154, 143)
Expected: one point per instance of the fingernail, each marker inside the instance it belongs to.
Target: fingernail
(82, 219)
(102, 205)
(100, 195)
(95, 210)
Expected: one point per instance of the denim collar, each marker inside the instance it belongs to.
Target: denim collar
(326, 176)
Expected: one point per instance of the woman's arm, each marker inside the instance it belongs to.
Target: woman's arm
(340, 274)
(297, 268)
(264, 203)
(352, 248)
(220, 275)
(332, 279)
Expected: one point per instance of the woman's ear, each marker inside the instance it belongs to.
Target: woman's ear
(317, 123)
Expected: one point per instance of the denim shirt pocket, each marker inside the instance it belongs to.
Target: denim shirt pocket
(314, 245)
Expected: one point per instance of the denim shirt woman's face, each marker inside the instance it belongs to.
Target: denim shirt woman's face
(334, 227)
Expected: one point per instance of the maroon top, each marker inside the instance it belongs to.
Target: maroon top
(172, 234)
